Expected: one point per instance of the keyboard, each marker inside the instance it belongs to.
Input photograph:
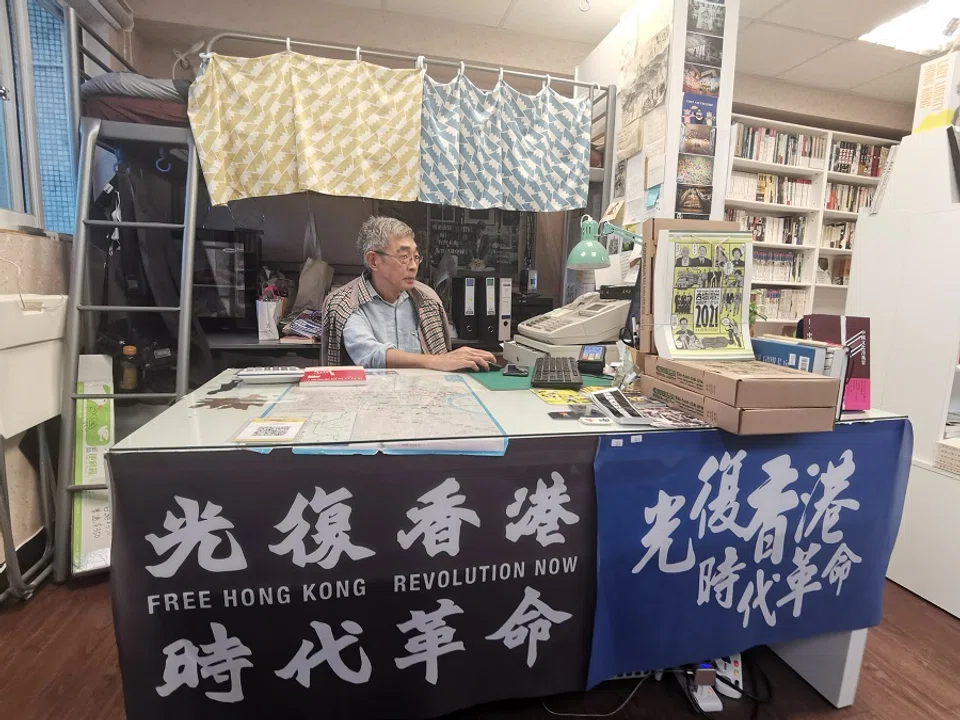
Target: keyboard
(559, 373)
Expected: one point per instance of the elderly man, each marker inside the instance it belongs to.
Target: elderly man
(385, 318)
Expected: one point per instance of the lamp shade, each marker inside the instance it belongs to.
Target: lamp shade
(588, 254)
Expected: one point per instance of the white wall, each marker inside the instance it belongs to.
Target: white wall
(825, 106)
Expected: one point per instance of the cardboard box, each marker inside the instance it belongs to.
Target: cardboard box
(854, 333)
(748, 384)
(650, 233)
(740, 421)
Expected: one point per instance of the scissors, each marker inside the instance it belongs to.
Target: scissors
(628, 336)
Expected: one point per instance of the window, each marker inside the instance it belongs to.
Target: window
(37, 183)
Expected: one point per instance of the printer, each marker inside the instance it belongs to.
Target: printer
(588, 320)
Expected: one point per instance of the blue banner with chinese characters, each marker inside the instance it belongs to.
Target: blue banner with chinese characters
(710, 543)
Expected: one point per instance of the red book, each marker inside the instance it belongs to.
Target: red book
(333, 377)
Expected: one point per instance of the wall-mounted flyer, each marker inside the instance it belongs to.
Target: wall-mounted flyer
(702, 295)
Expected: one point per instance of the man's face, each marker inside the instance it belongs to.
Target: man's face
(737, 254)
(396, 268)
(684, 252)
(702, 252)
(683, 323)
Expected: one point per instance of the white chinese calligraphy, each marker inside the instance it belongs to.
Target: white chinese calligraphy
(330, 651)
(722, 581)
(544, 514)
(222, 660)
(438, 523)
(834, 481)
(838, 569)
(770, 503)
(332, 527)
(726, 506)
(435, 638)
(658, 540)
(195, 530)
(799, 579)
(762, 587)
(531, 621)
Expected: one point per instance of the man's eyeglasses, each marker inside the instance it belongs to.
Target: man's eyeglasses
(403, 259)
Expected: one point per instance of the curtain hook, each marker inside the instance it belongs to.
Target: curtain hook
(358, 53)
(463, 68)
(421, 65)
(288, 45)
(546, 82)
(596, 86)
(500, 76)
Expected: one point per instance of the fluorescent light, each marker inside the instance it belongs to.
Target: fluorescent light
(928, 29)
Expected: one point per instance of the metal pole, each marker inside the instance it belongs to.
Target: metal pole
(73, 67)
(186, 271)
(31, 147)
(106, 46)
(609, 136)
(89, 129)
(17, 587)
(395, 56)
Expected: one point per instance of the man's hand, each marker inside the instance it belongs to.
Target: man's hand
(462, 358)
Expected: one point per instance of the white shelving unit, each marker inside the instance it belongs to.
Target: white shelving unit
(822, 297)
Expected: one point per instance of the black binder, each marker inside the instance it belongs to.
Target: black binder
(488, 318)
(465, 307)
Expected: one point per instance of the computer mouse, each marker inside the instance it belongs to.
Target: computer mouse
(490, 368)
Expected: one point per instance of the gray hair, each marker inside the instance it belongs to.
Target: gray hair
(376, 232)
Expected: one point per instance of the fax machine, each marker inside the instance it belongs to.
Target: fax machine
(588, 320)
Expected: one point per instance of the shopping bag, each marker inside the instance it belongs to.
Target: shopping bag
(269, 313)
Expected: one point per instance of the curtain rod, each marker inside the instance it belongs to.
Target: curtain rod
(399, 56)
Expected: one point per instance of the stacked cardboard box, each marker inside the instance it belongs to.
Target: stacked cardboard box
(744, 397)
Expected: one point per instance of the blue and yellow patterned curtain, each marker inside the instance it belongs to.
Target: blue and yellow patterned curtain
(503, 149)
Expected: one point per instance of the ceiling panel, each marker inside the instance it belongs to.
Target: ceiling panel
(841, 18)
(563, 19)
(370, 4)
(771, 49)
(850, 65)
(757, 8)
(488, 12)
(900, 86)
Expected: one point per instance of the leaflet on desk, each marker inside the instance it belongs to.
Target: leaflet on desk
(494, 446)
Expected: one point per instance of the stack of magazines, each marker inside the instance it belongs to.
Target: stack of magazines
(305, 324)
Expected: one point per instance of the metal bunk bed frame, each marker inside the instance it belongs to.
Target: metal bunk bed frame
(91, 132)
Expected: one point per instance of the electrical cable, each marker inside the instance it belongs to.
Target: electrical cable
(597, 715)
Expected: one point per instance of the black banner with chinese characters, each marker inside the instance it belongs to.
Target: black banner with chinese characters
(249, 585)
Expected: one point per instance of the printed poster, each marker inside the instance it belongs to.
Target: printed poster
(704, 49)
(644, 77)
(706, 17)
(701, 79)
(702, 299)
(699, 109)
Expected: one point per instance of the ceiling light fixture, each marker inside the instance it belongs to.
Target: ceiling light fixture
(928, 29)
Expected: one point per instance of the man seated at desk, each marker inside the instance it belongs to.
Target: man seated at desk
(385, 318)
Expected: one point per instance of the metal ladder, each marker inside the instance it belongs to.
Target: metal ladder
(93, 131)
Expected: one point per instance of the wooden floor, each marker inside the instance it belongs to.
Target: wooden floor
(65, 668)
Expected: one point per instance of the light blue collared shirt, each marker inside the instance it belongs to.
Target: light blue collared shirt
(378, 326)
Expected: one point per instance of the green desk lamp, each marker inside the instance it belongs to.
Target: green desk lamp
(588, 254)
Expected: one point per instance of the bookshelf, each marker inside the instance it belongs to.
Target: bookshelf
(812, 155)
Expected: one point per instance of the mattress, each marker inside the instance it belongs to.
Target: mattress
(126, 84)
(136, 110)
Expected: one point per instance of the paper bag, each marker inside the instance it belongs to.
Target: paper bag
(269, 313)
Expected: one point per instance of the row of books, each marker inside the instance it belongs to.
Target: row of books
(788, 230)
(771, 189)
(777, 266)
(819, 358)
(833, 271)
(777, 304)
(849, 198)
(859, 159)
(838, 235)
(774, 146)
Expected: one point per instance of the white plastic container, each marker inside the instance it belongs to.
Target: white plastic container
(31, 360)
